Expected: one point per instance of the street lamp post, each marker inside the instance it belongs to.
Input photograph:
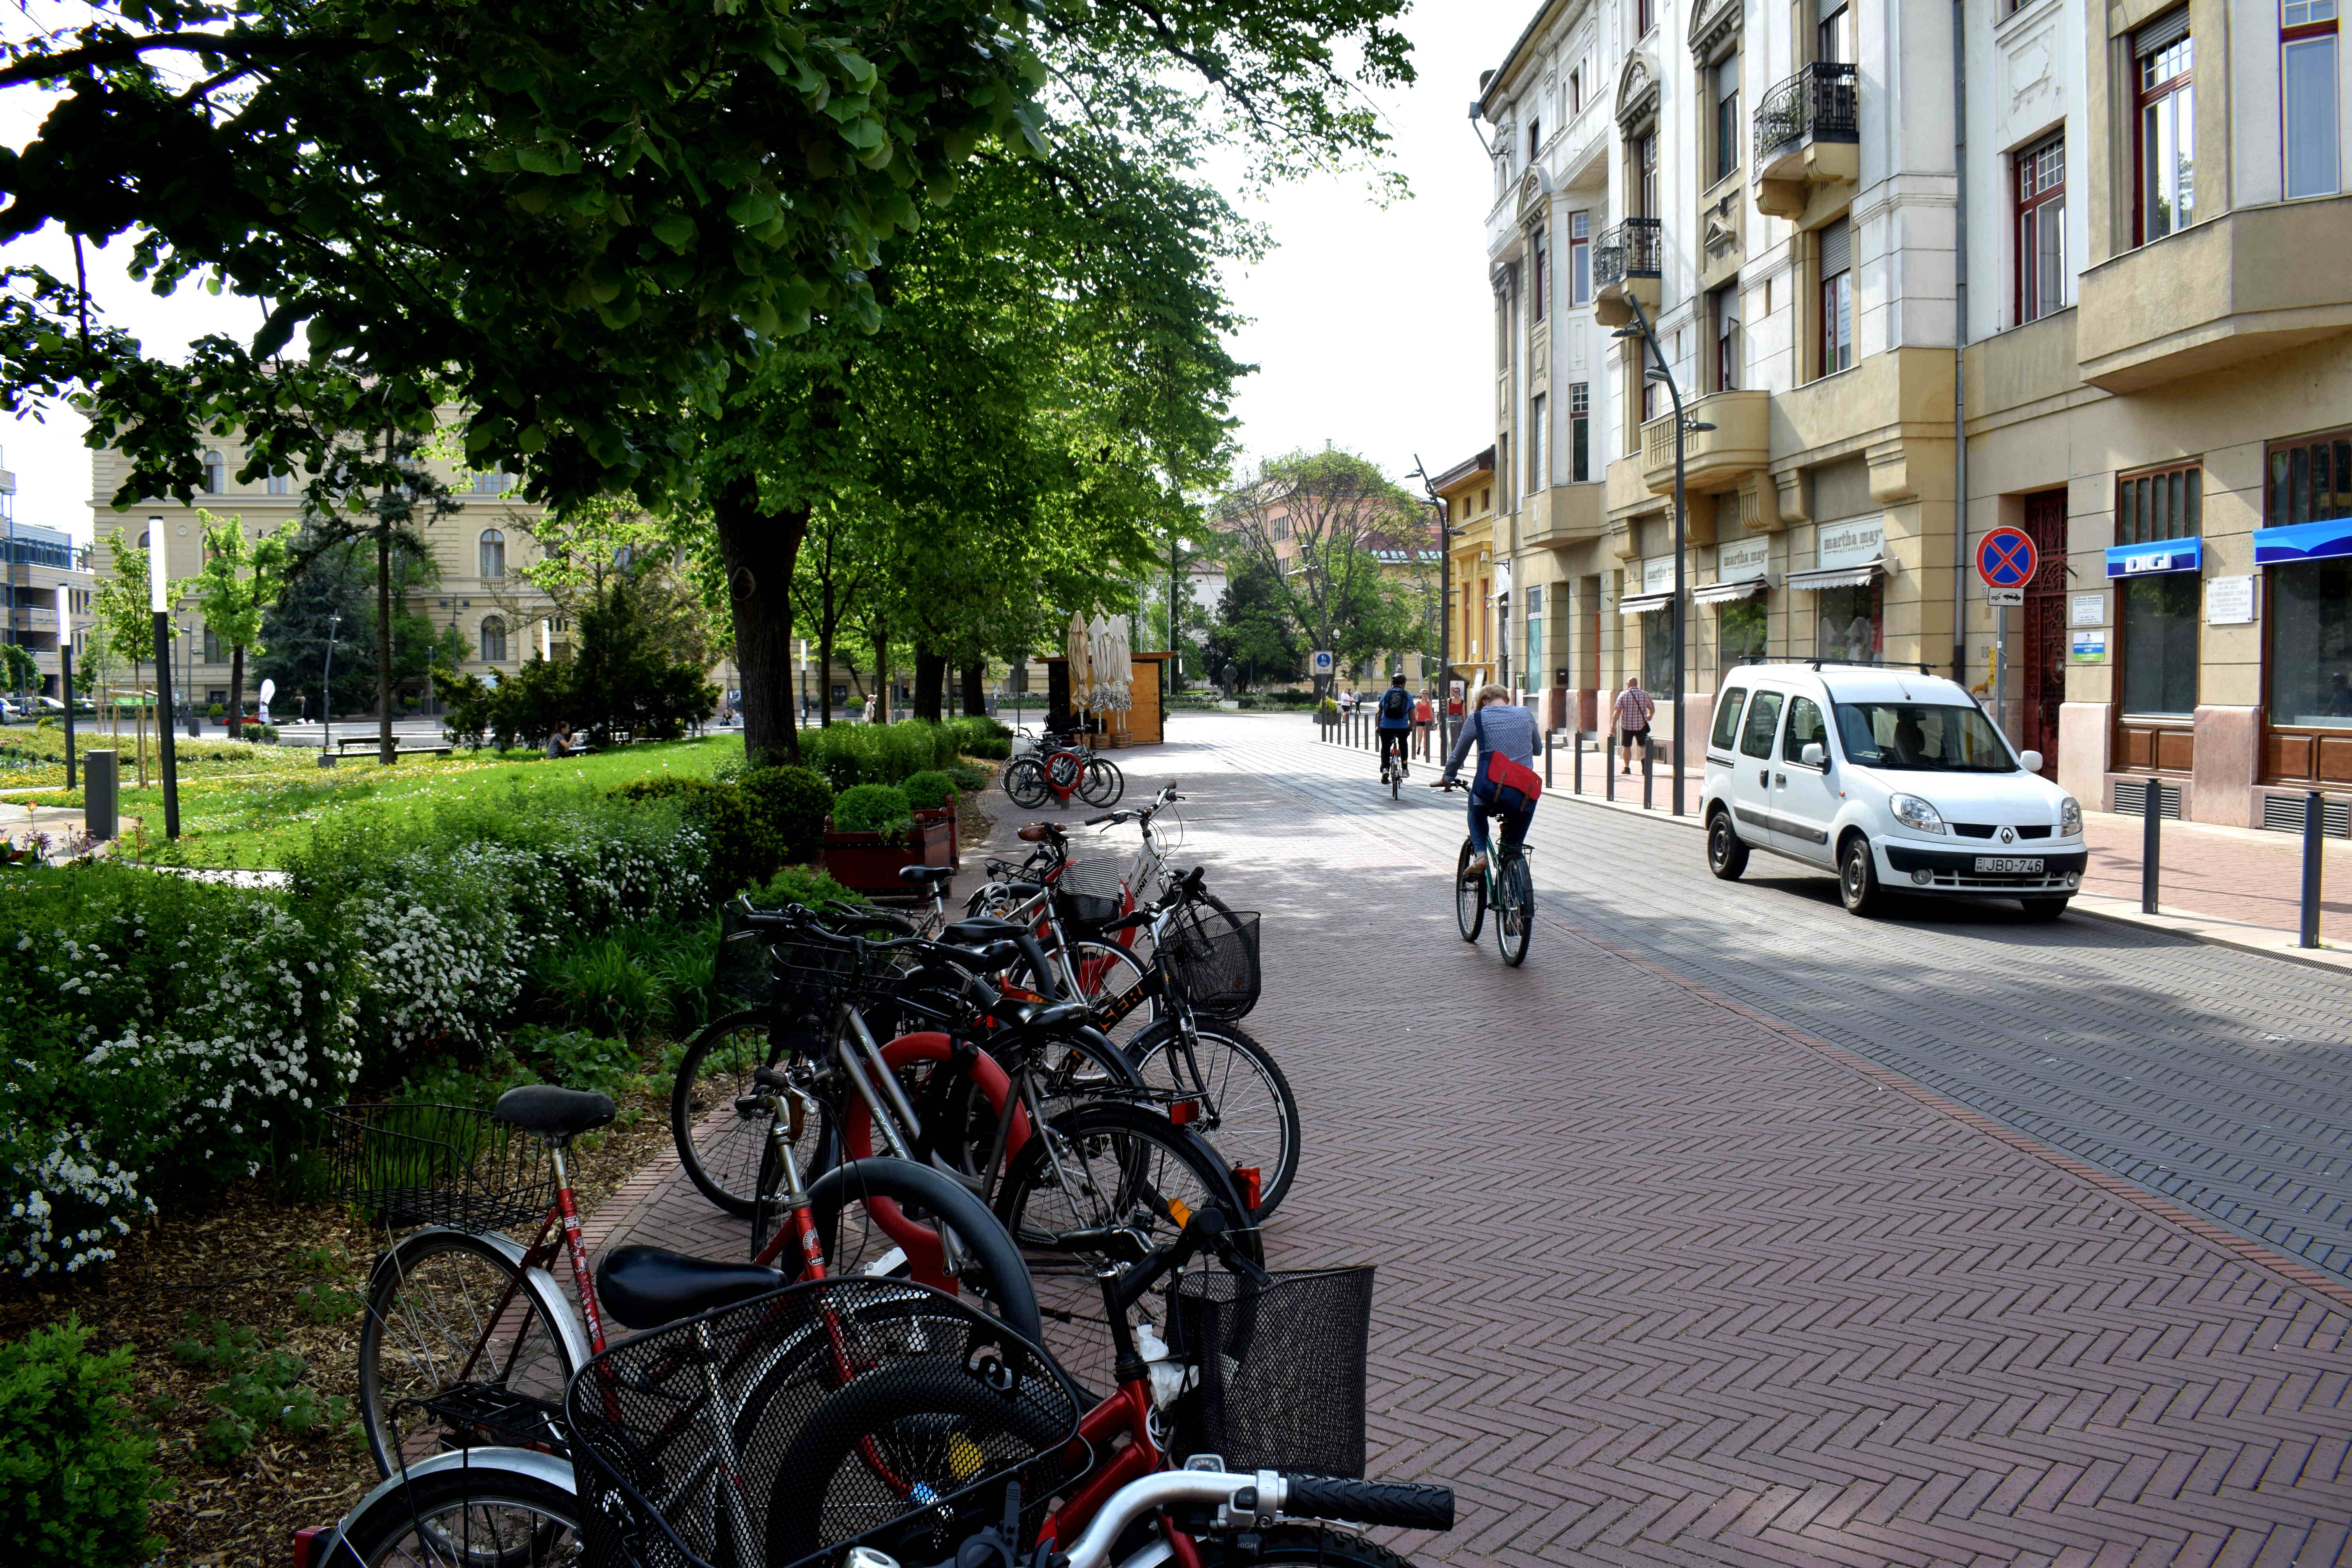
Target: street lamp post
(327, 692)
(156, 604)
(1661, 370)
(1444, 605)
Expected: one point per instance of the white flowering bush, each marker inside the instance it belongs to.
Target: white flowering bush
(162, 1037)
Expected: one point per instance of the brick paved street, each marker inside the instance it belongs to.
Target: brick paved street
(1726, 1231)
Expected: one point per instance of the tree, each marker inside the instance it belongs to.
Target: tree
(331, 596)
(123, 613)
(1317, 521)
(238, 582)
(19, 668)
(1253, 633)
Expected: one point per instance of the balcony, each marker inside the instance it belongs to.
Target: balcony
(2233, 287)
(1712, 459)
(1807, 133)
(1561, 516)
(1625, 268)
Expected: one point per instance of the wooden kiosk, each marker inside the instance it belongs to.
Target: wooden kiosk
(1140, 725)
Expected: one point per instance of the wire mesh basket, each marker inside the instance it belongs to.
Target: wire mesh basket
(423, 1164)
(848, 1411)
(1214, 953)
(800, 976)
(1090, 891)
(1281, 1369)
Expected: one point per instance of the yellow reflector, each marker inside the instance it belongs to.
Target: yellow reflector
(964, 1457)
(1183, 1215)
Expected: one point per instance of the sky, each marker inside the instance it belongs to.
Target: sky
(1371, 325)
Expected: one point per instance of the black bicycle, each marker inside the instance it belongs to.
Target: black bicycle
(1504, 885)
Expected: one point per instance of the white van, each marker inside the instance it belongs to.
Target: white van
(1893, 779)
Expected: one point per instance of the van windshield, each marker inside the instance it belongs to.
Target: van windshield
(1923, 737)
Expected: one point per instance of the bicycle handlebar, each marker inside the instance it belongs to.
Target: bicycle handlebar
(1255, 1501)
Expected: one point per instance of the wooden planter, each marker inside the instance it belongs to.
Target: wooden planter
(867, 864)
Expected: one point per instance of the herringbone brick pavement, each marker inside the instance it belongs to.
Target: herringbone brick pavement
(1664, 1281)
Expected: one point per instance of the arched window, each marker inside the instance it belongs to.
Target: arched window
(216, 474)
(494, 553)
(493, 637)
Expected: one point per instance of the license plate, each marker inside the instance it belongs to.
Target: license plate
(2012, 865)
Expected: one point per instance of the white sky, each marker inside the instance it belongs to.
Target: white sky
(1370, 326)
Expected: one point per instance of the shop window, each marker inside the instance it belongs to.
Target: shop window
(1658, 650)
(1579, 259)
(1739, 631)
(1850, 624)
(1579, 431)
(1836, 250)
(2161, 504)
(2157, 613)
(2311, 601)
(2307, 80)
(2165, 199)
(2041, 174)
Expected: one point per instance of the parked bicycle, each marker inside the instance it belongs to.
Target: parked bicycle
(1061, 766)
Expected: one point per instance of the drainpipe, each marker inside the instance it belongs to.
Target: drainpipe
(1960, 343)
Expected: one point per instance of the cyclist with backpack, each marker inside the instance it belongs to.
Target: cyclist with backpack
(1395, 725)
(1508, 743)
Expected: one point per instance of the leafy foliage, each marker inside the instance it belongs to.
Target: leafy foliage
(76, 1466)
(873, 808)
(929, 790)
(852, 754)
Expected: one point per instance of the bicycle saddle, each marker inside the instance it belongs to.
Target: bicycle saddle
(927, 876)
(1039, 832)
(643, 1286)
(1022, 1017)
(546, 1108)
(981, 931)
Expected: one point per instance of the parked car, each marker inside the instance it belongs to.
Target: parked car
(1891, 779)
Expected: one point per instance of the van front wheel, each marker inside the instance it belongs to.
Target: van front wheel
(1858, 878)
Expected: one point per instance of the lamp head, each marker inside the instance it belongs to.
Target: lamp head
(1626, 332)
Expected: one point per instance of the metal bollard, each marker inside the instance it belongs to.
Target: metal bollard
(1548, 735)
(2151, 837)
(2315, 839)
(101, 795)
(1646, 774)
(1578, 753)
(1609, 767)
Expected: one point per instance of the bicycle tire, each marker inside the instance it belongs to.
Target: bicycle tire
(1396, 787)
(1156, 1053)
(1025, 781)
(1469, 896)
(928, 1420)
(720, 1152)
(1116, 1164)
(464, 1275)
(1515, 914)
(1102, 784)
(409, 1523)
(1299, 1544)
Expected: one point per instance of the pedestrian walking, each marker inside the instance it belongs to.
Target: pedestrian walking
(1633, 709)
(869, 707)
(1424, 715)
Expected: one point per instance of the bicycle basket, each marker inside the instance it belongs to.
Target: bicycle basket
(799, 976)
(436, 1165)
(1090, 891)
(858, 1411)
(1281, 1369)
(1215, 954)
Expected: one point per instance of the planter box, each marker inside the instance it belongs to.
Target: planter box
(946, 814)
(864, 862)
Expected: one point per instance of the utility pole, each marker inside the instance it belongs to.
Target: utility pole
(1175, 649)
(1444, 605)
(156, 602)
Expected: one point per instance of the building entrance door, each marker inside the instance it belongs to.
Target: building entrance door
(2041, 647)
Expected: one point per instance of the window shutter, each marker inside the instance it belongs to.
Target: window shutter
(1837, 248)
(2162, 33)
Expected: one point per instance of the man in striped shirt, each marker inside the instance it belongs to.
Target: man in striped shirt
(1633, 710)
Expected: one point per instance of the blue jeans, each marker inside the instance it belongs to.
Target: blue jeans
(1515, 823)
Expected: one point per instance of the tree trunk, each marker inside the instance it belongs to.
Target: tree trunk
(882, 692)
(760, 548)
(237, 693)
(930, 685)
(383, 636)
(975, 700)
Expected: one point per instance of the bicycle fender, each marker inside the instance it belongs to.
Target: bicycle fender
(921, 1244)
(553, 1304)
(552, 1468)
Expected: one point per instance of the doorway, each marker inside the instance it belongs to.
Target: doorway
(2041, 643)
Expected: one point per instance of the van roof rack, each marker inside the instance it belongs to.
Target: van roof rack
(1841, 663)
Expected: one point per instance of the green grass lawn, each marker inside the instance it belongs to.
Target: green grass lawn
(252, 819)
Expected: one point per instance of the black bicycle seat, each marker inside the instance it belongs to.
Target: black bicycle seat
(930, 876)
(981, 931)
(643, 1286)
(558, 1113)
(1022, 1017)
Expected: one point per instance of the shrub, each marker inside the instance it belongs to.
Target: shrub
(577, 1060)
(873, 808)
(744, 844)
(988, 747)
(795, 803)
(800, 885)
(969, 780)
(77, 1468)
(1327, 711)
(978, 727)
(852, 754)
(929, 790)
(215, 712)
(466, 705)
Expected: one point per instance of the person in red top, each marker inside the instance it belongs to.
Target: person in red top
(1424, 716)
(1633, 709)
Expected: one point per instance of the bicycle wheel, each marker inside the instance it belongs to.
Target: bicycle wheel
(1247, 1112)
(1101, 1167)
(485, 1515)
(1515, 910)
(1469, 895)
(1396, 785)
(1105, 970)
(1102, 784)
(1024, 781)
(444, 1308)
(721, 1151)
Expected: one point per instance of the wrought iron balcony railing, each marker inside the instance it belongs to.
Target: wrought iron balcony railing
(1817, 104)
(1629, 250)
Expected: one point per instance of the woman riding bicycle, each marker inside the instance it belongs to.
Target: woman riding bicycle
(1502, 728)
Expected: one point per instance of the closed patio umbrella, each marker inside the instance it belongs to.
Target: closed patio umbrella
(1082, 664)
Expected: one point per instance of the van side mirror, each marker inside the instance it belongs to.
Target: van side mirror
(2029, 760)
(1812, 756)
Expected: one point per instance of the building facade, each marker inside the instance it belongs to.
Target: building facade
(1919, 272)
(46, 597)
